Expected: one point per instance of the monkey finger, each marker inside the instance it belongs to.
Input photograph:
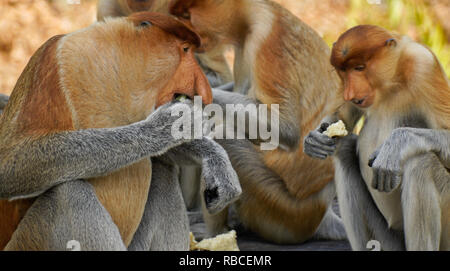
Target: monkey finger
(323, 139)
(395, 181)
(376, 179)
(323, 127)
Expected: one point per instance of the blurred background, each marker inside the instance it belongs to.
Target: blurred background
(26, 24)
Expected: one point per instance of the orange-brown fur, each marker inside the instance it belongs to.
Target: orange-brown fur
(279, 60)
(59, 91)
(213, 59)
(389, 73)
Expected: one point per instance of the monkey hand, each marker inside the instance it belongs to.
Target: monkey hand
(387, 173)
(162, 126)
(387, 161)
(318, 145)
(221, 183)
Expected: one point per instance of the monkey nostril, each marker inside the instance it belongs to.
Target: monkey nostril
(357, 101)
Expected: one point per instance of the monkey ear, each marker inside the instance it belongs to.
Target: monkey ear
(181, 8)
(391, 42)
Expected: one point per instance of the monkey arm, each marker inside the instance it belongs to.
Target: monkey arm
(288, 131)
(35, 165)
(403, 144)
(220, 182)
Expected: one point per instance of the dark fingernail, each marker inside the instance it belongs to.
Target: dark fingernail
(324, 127)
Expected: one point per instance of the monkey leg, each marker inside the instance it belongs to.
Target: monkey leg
(362, 219)
(67, 214)
(190, 186)
(165, 224)
(425, 194)
(266, 206)
(331, 226)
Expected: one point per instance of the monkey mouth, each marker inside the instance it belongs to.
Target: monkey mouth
(181, 97)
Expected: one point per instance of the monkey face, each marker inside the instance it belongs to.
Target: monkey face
(363, 58)
(176, 42)
(357, 88)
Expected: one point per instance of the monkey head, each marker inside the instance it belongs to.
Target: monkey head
(365, 58)
(213, 20)
(188, 78)
(120, 70)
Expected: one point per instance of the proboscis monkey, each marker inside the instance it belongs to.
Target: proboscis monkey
(393, 180)
(279, 60)
(213, 62)
(81, 141)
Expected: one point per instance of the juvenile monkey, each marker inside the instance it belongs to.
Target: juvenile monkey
(393, 180)
(213, 62)
(279, 60)
(80, 140)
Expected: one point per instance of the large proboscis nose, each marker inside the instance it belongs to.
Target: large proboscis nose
(188, 80)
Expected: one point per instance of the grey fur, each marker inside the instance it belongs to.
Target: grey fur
(67, 208)
(165, 224)
(389, 159)
(251, 169)
(83, 154)
(68, 211)
(362, 219)
(220, 182)
(412, 162)
(288, 131)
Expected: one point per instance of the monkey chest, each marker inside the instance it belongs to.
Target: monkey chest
(374, 134)
(124, 194)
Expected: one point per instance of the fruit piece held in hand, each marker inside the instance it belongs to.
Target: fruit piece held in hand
(336, 130)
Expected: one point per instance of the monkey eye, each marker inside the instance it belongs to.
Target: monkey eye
(145, 24)
(186, 47)
(186, 15)
(360, 67)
